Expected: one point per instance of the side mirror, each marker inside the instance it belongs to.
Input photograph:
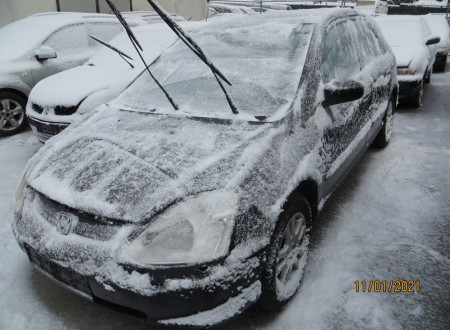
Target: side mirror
(431, 40)
(337, 91)
(45, 53)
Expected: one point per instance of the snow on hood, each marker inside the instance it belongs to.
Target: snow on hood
(404, 55)
(72, 86)
(149, 162)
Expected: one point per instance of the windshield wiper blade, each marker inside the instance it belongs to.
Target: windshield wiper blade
(192, 45)
(136, 45)
(121, 54)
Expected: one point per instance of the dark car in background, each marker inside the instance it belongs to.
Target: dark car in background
(189, 216)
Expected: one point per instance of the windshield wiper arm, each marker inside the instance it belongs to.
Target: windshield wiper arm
(192, 45)
(121, 54)
(136, 45)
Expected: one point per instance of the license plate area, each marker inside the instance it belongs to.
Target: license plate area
(62, 275)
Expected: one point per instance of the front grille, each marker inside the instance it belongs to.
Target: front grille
(62, 274)
(37, 108)
(88, 225)
(65, 111)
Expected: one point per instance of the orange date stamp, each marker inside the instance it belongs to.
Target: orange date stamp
(387, 286)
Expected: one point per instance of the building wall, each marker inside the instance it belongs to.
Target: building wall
(195, 10)
(13, 10)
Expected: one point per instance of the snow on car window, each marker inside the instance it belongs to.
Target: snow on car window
(21, 37)
(263, 60)
(68, 40)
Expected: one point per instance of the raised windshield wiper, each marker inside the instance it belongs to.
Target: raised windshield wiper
(192, 45)
(136, 44)
(121, 54)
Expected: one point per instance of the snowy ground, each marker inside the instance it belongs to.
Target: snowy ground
(389, 221)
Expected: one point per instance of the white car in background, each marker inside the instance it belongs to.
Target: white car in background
(60, 100)
(414, 47)
(42, 45)
(151, 17)
(439, 26)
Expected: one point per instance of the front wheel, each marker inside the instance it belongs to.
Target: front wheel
(416, 100)
(287, 254)
(12, 113)
(384, 135)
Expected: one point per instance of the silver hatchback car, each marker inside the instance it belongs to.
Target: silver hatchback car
(39, 46)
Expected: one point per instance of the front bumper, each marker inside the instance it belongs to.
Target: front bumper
(45, 130)
(166, 307)
(408, 89)
(177, 294)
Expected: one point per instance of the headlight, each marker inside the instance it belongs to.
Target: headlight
(197, 229)
(405, 72)
(22, 183)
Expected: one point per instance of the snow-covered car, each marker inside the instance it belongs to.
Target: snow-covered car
(39, 46)
(150, 16)
(188, 216)
(62, 99)
(414, 47)
(439, 26)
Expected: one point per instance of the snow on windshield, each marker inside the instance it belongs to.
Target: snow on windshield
(21, 36)
(263, 59)
(402, 32)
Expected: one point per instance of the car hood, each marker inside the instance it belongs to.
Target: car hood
(70, 87)
(404, 55)
(129, 166)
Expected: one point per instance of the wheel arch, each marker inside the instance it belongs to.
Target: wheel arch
(310, 190)
(14, 91)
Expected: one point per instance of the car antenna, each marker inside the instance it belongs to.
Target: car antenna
(136, 45)
(121, 54)
(192, 45)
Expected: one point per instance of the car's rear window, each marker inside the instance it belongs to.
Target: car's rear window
(263, 62)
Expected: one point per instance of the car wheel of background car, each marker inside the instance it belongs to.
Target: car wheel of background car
(384, 136)
(12, 113)
(416, 100)
(287, 254)
(428, 77)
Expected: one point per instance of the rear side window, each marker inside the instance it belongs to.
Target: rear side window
(339, 57)
(69, 39)
(368, 41)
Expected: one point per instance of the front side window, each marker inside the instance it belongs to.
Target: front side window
(68, 40)
(368, 42)
(339, 57)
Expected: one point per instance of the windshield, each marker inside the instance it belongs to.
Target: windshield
(402, 33)
(20, 37)
(262, 59)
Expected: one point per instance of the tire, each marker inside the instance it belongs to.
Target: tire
(427, 78)
(416, 100)
(384, 135)
(287, 254)
(12, 113)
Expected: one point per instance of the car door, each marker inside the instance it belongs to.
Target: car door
(72, 48)
(342, 144)
(376, 72)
